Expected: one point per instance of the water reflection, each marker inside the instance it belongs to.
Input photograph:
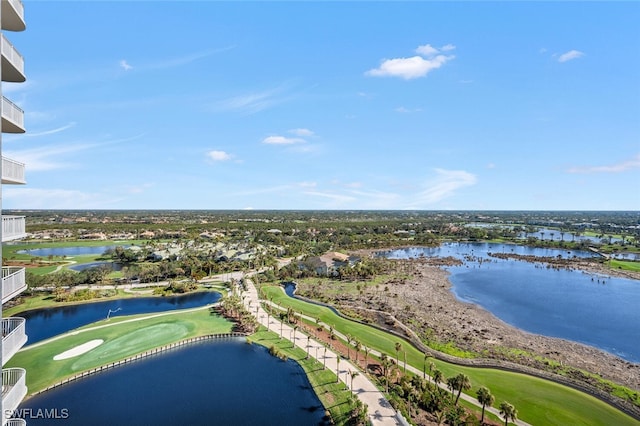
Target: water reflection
(44, 323)
(592, 309)
(223, 383)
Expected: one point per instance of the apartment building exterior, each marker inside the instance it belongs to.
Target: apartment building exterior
(14, 336)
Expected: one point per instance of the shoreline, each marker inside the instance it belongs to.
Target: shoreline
(425, 301)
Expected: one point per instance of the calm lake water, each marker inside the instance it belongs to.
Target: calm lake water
(66, 251)
(44, 323)
(218, 383)
(595, 310)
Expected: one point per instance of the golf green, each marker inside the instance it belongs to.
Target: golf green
(130, 343)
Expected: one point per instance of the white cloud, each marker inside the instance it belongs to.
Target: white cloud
(427, 50)
(125, 65)
(404, 110)
(139, 189)
(339, 198)
(253, 102)
(416, 66)
(218, 155)
(409, 68)
(53, 198)
(445, 184)
(282, 140)
(570, 55)
(301, 132)
(52, 131)
(47, 157)
(623, 166)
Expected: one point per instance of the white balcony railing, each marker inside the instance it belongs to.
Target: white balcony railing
(12, 62)
(13, 15)
(14, 337)
(16, 422)
(13, 282)
(12, 171)
(14, 389)
(12, 117)
(13, 228)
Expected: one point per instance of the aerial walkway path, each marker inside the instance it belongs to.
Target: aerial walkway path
(380, 411)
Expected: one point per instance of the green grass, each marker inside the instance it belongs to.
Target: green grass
(334, 396)
(625, 265)
(538, 401)
(122, 339)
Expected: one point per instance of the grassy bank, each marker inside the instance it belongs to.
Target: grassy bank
(123, 337)
(538, 401)
(335, 397)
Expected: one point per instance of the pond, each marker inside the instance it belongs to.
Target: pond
(82, 266)
(223, 383)
(66, 251)
(591, 309)
(45, 323)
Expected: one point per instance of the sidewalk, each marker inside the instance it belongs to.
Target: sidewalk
(380, 411)
(414, 370)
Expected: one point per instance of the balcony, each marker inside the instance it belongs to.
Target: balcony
(13, 15)
(12, 63)
(13, 228)
(12, 172)
(14, 337)
(12, 117)
(14, 388)
(15, 422)
(13, 282)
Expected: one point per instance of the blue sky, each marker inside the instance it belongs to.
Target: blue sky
(328, 105)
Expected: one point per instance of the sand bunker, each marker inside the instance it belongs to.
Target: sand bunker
(79, 350)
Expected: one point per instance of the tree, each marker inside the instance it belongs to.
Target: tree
(357, 345)
(349, 340)
(437, 377)
(293, 343)
(461, 382)
(486, 399)
(353, 376)
(337, 368)
(508, 411)
(398, 349)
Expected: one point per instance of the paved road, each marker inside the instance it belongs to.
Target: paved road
(380, 411)
(414, 370)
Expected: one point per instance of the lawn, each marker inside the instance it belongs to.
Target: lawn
(537, 401)
(123, 338)
(334, 396)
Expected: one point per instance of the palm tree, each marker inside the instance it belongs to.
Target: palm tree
(337, 368)
(357, 345)
(486, 399)
(462, 382)
(349, 340)
(324, 359)
(398, 349)
(353, 376)
(366, 356)
(437, 377)
(508, 411)
(293, 343)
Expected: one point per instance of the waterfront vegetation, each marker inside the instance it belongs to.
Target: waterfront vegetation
(182, 248)
(538, 401)
(336, 397)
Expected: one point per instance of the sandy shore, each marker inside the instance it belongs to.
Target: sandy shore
(422, 299)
